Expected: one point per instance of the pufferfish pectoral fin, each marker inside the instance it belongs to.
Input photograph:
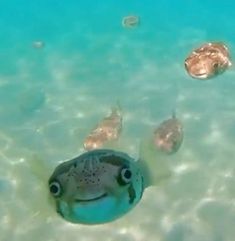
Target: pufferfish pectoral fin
(37, 166)
(154, 165)
(132, 193)
(117, 109)
(118, 192)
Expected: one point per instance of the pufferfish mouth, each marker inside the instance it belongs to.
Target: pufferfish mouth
(92, 199)
(201, 75)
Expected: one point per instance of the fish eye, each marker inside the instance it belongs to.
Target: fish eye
(125, 176)
(55, 189)
(215, 65)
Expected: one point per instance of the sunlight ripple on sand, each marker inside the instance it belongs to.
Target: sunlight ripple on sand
(181, 168)
(214, 137)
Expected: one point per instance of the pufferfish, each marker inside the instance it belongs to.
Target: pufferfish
(208, 61)
(130, 21)
(168, 136)
(99, 186)
(108, 129)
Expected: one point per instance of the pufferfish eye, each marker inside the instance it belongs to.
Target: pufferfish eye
(124, 176)
(55, 189)
(215, 65)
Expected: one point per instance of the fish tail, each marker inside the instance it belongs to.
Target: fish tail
(153, 164)
(173, 113)
(116, 109)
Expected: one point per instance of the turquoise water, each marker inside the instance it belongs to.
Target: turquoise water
(53, 96)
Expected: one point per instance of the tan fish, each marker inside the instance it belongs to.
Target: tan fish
(208, 61)
(168, 136)
(107, 130)
(130, 21)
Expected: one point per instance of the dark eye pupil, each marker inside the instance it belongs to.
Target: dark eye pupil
(127, 174)
(54, 189)
(124, 177)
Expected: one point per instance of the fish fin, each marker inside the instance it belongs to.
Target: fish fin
(154, 164)
(116, 109)
(132, 194)
(173, 114)
(38, 169)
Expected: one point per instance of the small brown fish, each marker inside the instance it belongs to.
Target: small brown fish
(130, 21)
(208, 61)
(168, 136)
(107, 130)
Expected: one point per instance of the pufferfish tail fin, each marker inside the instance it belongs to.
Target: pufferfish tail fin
(173, 114)
(154, 164)
(117, 109)
(39, 169)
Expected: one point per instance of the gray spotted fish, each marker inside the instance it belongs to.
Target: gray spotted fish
(107, 130)
(168, 136)
(97, 187)
(208, 61)
(102, 185)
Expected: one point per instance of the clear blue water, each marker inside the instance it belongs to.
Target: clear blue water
(53, 96)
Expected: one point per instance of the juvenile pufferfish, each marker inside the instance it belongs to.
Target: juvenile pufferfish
(108, 129)
(168, 136)
(97, 187)
(208, 61)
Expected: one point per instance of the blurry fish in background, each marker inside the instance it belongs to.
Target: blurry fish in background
(38, 44)
(31, 100)
(108, 129)
(130, 21)
(208, 61)
(168, 136)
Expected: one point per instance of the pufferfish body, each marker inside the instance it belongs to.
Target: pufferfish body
(97, 187)
(207, 61)
(108, 129)
(168, 136)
